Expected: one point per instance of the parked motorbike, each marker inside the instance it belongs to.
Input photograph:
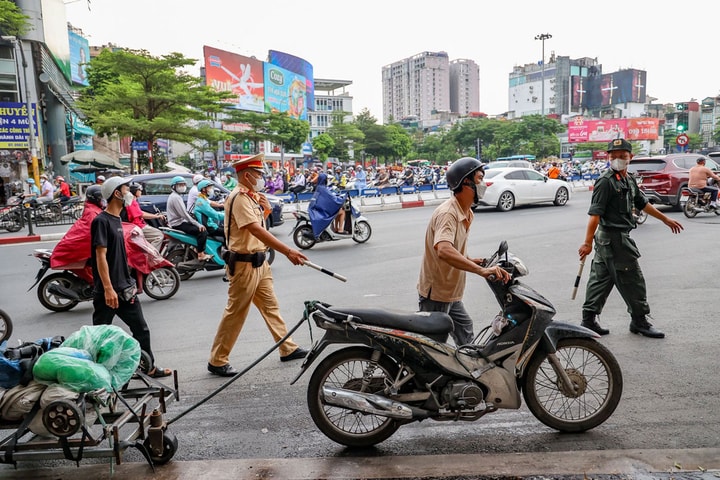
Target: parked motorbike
(11, 215)
(62, 291)
(400, 369)
(304, 236)
(73, 207)
(44, 211)
(6, 326)
(697, 202)
(180, 249)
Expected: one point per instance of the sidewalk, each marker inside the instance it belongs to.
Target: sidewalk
(635, 464)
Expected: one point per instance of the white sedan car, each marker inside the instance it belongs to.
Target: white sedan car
(510, 187)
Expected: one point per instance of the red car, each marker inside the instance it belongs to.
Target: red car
(663, 177)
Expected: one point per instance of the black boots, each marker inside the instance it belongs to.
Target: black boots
(642, 326)
(589, 320)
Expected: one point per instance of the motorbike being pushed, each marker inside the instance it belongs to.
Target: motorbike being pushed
(315, 225)
(62, 291)
(698, 201)
(401, 370)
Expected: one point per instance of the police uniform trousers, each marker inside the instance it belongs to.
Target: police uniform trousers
(247, 286)
(615, 264)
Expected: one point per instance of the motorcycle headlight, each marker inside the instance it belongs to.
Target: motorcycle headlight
(519, 267)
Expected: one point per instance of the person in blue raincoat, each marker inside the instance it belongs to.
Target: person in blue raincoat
(324, 207)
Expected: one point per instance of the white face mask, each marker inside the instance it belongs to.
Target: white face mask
(128, 199)
(259, 184)
(210, 192)
(619, 164)
(181, 189)
(480, 189)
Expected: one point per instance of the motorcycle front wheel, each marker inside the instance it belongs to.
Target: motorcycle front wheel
(597, 378)
(6, 326)
(362, 232)
(351, 369)
(162, 283)
(303, 237)
(52, 301)
(689, 209)
(13, 222)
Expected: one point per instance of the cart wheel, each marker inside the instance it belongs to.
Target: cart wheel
(146, 363)
(62, 419)
(170, 444)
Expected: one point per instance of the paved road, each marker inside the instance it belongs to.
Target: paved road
(260, 425)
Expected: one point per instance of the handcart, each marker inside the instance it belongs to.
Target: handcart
(97, 424)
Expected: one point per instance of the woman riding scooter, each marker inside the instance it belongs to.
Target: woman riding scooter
(205, 213)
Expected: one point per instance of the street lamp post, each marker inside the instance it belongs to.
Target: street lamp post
(31, 127)
(542, 37)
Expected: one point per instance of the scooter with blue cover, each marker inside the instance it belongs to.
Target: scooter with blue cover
(181, 250)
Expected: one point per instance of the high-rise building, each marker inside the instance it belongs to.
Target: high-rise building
(464, 86)
(417, 86)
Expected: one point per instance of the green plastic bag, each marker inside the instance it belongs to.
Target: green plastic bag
(72, 368)
(111, 347)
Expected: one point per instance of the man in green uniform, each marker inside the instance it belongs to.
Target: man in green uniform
(616, 255)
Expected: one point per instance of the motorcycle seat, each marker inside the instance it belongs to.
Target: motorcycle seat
(427, 323)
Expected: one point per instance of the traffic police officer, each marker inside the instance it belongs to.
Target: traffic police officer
(615, 194)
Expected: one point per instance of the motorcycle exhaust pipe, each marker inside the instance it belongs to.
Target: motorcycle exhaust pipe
(61, 291)
(371, 404)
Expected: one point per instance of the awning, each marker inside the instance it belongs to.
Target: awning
(91, 157)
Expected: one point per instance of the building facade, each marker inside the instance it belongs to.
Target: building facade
(331, 98)
(464, 87)
(416, 86)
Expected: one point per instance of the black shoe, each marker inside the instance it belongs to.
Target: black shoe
(226, 370)
(642, 326)
(296, 355)
(590, 321)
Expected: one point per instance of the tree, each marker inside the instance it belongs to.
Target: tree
(345, 135)
(134, 94)
(323, 144)
(12, 21)
(399, 141)
(279, 128)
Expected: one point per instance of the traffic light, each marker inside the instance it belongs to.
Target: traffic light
(682, 123)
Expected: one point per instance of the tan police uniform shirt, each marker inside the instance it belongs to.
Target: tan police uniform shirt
(438, 280)
(245, 210)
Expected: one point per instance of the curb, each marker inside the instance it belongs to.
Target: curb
(31, 238)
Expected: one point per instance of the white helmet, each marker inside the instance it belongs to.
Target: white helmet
(197, 178)
(113, 183)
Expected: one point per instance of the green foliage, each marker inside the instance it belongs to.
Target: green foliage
(12, 21)
(134, 94)
(323, 144)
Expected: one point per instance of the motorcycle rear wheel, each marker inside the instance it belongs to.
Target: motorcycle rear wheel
(346, 368)
(6, 326)
(14, 222)
(52, 301)
(594, 371)
(689, 209)
(178, 256)
(303, 237)
(162, 283)
(362, 232)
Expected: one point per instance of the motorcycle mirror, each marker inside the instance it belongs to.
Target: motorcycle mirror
(503, 248)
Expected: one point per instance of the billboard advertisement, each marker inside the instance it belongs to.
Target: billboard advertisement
(56, 34)
(299, 66)
(243, 76)
(14, 125)
(79, 56)
(581, 130)
(285, 92)
(596, 91)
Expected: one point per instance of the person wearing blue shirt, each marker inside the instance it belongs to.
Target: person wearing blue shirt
(34, 190)
(205, 213)
(360, 179)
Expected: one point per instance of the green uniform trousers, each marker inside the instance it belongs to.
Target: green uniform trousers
(616, 265)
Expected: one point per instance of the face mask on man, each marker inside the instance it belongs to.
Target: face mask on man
(619, 164)
(181, 189)
(210, 192)
(259, 184)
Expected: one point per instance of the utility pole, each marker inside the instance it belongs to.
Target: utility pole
(542, 37)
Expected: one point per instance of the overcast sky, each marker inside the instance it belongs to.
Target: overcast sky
(353, 40)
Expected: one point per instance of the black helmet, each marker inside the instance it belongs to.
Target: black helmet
(93, 194)
(460, 170)
(134, 187)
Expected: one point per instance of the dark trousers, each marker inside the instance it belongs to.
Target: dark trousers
(191, 229)
(129, 312)
(628, 279)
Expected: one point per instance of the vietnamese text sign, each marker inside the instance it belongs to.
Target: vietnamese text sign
(14, 125)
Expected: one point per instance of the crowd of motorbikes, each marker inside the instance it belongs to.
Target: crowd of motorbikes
(20, 209)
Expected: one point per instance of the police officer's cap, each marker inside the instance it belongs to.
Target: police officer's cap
(619, 144)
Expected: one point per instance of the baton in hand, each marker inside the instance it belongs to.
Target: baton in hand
(577, 279)
(326, 272)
